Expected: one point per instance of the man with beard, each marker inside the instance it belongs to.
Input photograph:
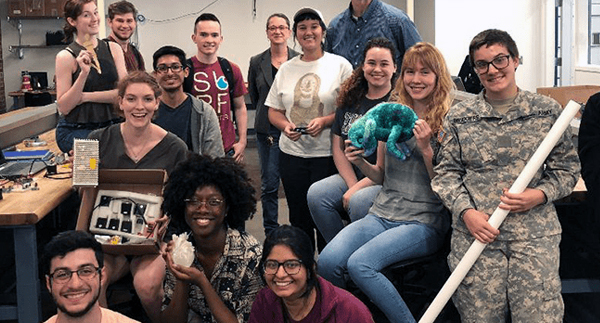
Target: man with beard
(74, 268)
(192, 119)
(122, 23)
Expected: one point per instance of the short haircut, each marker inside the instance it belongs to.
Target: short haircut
(198, 171)
(69, 241)
(300, 244)
(120, 8)
(138, 77)
(206, 17)
(279, 15)
(135, 77)
(492, 37)
(308, 16)
(169, 50)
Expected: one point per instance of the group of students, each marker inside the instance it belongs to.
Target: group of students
(461, 162)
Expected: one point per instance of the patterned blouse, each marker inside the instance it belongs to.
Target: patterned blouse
(236, 278)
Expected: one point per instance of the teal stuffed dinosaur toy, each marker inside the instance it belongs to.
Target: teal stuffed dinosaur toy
(389, 122)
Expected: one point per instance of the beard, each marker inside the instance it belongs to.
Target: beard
(81, 313)
(122, 38)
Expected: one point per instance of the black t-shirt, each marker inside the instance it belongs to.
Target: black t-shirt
(176, 120)
(345, 116)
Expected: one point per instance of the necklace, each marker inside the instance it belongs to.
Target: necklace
(135, 156)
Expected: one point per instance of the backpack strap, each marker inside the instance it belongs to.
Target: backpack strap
(228, 72)
(188, 82)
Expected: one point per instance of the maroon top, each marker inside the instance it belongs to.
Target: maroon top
(333, 304)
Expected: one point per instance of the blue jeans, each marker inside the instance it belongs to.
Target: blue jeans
(268, 153)
(326, 206)
(365, 247)
(66, 132)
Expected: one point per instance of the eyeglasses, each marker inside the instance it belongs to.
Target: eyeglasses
(163, 68)
(63, 276)
(212, 203)
(291, 267)
(274, 28)
(499, 63)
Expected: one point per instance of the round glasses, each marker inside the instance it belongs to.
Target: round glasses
(63, 276)
(499, 63)
(291, 267)
(274, 28)
(212, 203)
(163, 68)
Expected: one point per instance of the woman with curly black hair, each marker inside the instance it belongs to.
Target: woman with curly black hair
(211, 197)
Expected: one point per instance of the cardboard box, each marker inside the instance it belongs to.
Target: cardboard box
(562, 94)
(146, 181)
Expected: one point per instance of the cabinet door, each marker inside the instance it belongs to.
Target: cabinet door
(34, 8)
(54, 8)
(16, 8)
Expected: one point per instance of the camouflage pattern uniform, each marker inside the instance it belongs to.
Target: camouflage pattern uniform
(482, 153)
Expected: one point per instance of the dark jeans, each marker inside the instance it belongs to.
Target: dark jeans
(66, 132)
(297, 174)
(268, 153)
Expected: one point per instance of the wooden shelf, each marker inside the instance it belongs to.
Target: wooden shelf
(17, 47)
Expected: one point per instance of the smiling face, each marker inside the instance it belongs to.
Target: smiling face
(379, 68)
(207, 37)
(288, 287)
(170, 81)
(122, 26)
(78, 296)
(419, 81)
(206, 220)
(88, 21)
(499, 83)
(278, 31)
(309, 34)
(138, 104)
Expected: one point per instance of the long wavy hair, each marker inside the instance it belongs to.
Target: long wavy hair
(439, 101)
(356, 86)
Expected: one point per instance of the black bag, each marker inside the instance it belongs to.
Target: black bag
(469, 77)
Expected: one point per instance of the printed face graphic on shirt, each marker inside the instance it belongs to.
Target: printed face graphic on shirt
(307, 104)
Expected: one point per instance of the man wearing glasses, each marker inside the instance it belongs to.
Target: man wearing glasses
(74, 268)
(191, 119)
(487, 142)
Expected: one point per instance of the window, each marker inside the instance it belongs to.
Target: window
(594, 32)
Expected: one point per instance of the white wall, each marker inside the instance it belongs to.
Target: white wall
(244, 35)
(529, 22)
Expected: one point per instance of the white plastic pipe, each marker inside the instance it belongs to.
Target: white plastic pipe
(534, 163)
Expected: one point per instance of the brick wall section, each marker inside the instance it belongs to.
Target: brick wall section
(3, 107)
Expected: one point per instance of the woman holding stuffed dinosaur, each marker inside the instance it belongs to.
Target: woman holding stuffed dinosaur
(301, 104)
(349, 194)
(406, 220)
